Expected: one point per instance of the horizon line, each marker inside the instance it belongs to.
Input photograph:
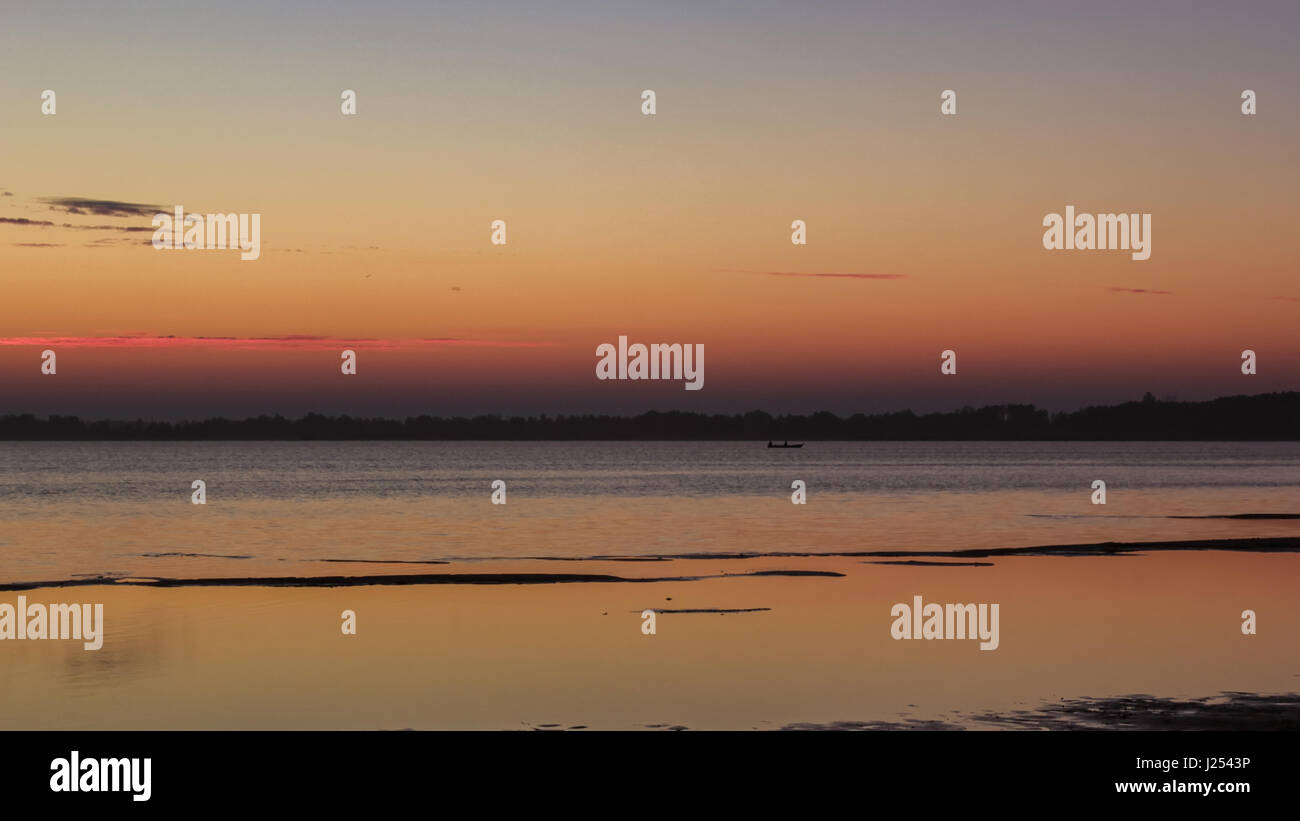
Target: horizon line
(1146, 399)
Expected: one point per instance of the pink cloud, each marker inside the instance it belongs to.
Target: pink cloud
(290, 342)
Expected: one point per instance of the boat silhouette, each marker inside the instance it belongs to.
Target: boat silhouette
(786, 444)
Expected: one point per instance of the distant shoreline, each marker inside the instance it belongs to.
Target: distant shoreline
(1269, 417)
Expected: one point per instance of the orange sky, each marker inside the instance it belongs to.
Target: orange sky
(664, 228)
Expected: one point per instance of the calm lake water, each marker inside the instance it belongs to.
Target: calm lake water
(767, 641)
(69, 509)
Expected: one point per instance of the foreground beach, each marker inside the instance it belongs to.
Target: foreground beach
(1137, 638)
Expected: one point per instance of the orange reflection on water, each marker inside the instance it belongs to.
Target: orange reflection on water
(522, 655)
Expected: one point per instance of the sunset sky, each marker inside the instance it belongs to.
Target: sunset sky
(666, 228)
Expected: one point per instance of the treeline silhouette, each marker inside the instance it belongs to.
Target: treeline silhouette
(1271, 416)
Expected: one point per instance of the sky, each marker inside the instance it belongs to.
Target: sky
(924, 231)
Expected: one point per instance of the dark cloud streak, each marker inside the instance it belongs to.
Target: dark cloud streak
(101, 208)
(1119, 290)
(129, 229)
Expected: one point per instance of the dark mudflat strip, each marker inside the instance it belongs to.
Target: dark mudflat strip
(1242, 516)
(876, 726)
(401, 579)
(1280, 544)
(721, 610)
(381, 561)
(1284, 544)
(920, 563)
(1227, 711)
(599, 558)
(190, 556)
(332, 581)
(785, 573)
(671, 727)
